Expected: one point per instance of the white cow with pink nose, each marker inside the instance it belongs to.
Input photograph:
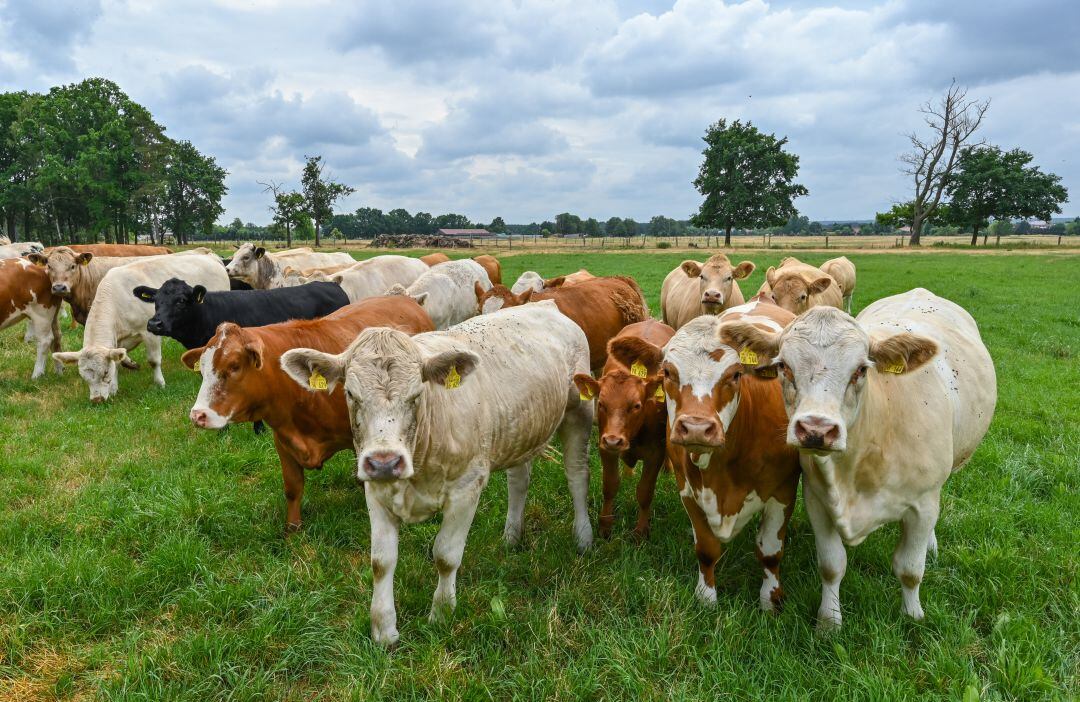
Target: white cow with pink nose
(883, 408)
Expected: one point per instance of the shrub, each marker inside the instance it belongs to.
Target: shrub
(663, 244)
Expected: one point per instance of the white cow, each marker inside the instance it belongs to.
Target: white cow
(375, 276)
(448, 291)
(882, 408)
(433, 415)
(529, 280)
(117, 319)
(263, 270)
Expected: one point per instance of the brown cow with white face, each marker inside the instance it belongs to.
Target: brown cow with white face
(631, 415)
(726, 445)
(694, 289)
(25, 294)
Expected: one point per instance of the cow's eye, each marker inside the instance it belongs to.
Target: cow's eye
(637, 406)
(858, 375)
(736, 376)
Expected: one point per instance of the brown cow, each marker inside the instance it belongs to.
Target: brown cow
(601, 307)
(434, 259)
(694, 289)
(798, 286)
(492, 266)
(117, 250)
(631, 415)
(574, 278)
(242, 381)
(25, 293)
(727, 446)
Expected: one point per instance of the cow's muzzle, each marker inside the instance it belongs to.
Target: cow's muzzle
(61, 290)
(697, 431)
(155, 326)
(813, 432)
(614, 443)
(383, 466)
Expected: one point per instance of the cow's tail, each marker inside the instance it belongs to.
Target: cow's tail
(632, 305)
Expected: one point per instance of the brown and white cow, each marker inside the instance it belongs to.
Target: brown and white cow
(883, 408)
(25, 293)
(694, 289)
(631, 415)
(798, 286)
(842, 271)
(726, 445)
(242, 381)
(76, 275)
(434, 415)
(601, 307)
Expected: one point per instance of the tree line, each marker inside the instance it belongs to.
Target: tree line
(85, 163)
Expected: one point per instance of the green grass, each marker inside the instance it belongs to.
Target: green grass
(143, 559)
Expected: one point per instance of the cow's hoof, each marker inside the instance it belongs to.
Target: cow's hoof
(386, 638)
(829, 622)
(129, 364)
(640, 534)
(291, 529)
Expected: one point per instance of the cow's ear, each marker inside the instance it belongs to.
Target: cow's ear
(743, 270)
(691, 268)
(313, 370)
(254, 349)
(902, 352)
(191, 358)
(744, 335)
(820, 285)
(634, 352)
(588, 386)
(449, 368)
(555, 282)
(84, 258)
(144, 293)
(118, 354)
(337, 278)
(479, 291)
(38, 259)
(260, 252)
(420, 298)
(525, 296)
(770, 276)
(66, 357)
(198, 294)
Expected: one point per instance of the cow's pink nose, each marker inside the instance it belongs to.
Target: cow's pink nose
(199, 417)
(697, 431)
(712, 297)
(614, 442)
(816, 432)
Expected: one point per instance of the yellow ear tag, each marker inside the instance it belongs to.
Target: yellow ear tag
(896, 368)
(316, 381)
(84, 262)
(659, 394)
(453, 378)
(639, 370)
(748, 357)
(585, 394)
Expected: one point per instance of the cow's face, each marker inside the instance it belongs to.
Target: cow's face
(792, 291)
(64, 267)
(625, 399)
(174, 305)
(499, 297)
(702, 380)
(386, 383)
(823, 359)
(97, 366)
(528, 280)
(233, 385)
(716, 280)
(245, 263)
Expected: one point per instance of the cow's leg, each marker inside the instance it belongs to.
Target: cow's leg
(39, 323)
(909, 558)
(54, 345)
(610, 463)
(384, 555)
(517, 487)
(770, 550)
(28, 334)
(708, 549)
(931, 544)
(646, 489)
(574, 432)
(153, 357)
(450, 542)
(832, 561)
(292, 475)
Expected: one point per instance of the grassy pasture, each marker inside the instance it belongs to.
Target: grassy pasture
(143, 559)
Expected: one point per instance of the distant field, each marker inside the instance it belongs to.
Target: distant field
(143, 559)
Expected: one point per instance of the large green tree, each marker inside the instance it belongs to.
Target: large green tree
(320, 193)
(747, 179)
(195, 185)
(989, 182)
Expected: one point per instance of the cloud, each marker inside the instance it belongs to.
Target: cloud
(45, 33)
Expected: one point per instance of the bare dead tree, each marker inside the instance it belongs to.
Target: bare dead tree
(952, 121)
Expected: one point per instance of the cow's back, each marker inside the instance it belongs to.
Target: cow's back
(680, 298)
(120, 250)
(842, 271)
(22, 283)
(961, 373)
(373, 277)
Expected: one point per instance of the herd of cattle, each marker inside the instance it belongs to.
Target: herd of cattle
(436, 375)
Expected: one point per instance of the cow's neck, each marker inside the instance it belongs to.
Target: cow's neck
(268, 271)
(100, 328)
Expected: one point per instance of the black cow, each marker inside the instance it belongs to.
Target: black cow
(192, 315)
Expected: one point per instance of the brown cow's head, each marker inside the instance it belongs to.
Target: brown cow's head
(499, 297)
(64, 267)
(702, 381)
(233, 378)
(792, 291)
(626, 397)
(716, 279)
(822, 359)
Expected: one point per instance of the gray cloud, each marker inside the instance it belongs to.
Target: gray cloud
(45, 33)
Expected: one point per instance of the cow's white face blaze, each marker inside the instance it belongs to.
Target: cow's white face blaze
(202, 412)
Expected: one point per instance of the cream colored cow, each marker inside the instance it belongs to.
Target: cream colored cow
(434, 415)
(798, 286)
(447, 292)
(882, 408)
(694, 289)
(262, 269)
(842, 271)
(375, 276)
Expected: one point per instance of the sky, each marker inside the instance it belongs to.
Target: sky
(527, 108)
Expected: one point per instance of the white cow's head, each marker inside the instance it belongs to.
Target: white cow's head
(386, 381)
(822, 359)
(97, 366)
(716, 279)
(246, 263)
